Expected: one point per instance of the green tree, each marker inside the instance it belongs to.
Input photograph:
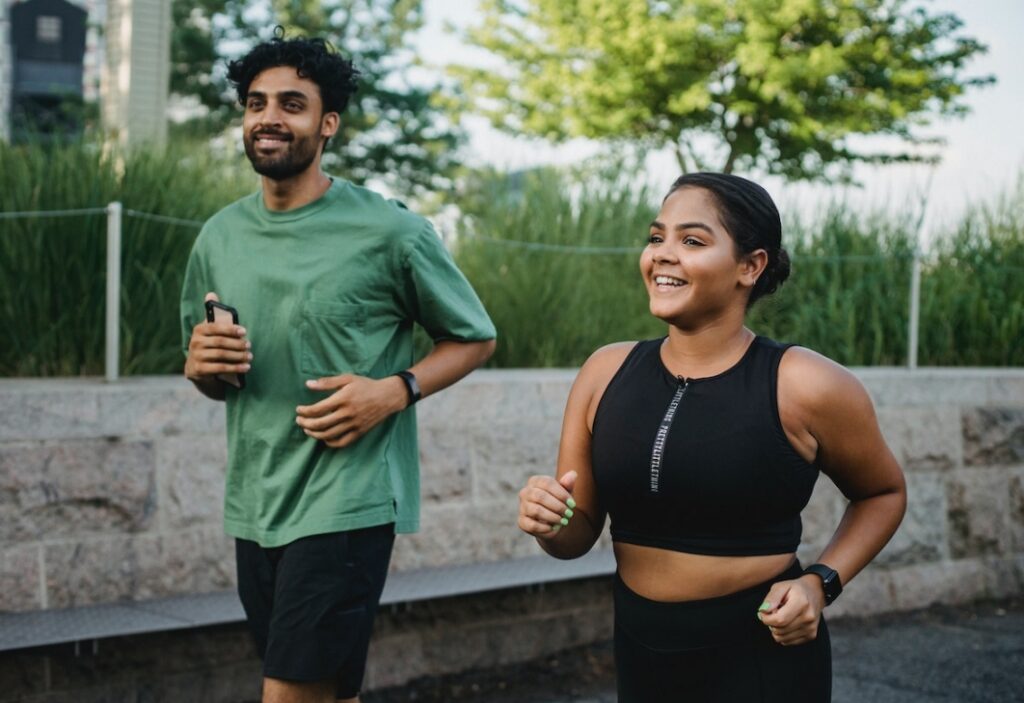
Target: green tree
(394, 130)
(784, 86)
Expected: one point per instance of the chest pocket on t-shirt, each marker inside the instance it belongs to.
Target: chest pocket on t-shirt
(334, 339)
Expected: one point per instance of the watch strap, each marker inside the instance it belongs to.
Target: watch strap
(832, 585)
(411, 385)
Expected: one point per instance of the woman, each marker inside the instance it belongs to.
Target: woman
(703, 447)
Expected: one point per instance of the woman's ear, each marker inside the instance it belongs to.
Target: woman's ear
(751, 267)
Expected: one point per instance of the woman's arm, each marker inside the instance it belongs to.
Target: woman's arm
(828, 413)
(544, 500)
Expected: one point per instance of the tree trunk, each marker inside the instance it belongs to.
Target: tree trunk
(731, 161)
(684, 165)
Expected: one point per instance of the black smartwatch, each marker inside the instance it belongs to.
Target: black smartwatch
(410, 385)
(829, 580)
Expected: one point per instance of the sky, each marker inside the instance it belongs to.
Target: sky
(983, 155)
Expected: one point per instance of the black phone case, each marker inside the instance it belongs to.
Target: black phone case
(210, 305)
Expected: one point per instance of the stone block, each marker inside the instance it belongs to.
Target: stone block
(484, 630)
(137, 568)
(925, 438)
(48, 409)
(993, 436)
(463, 534)
(446, 463)
(965, 387)
(821, 516)
(923, 534)
(944, 582)
(51, 490)
(1016, 507)
(153, 407)
(507, 455)
(485, 399)
(979, 512)
(869, 594)
(1004, 576)
(20, 587)
(191, 473)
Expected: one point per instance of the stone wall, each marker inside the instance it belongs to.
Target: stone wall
(112, 492)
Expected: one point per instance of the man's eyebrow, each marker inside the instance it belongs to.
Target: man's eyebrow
(283, 95)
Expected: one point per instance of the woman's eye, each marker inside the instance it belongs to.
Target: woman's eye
(653, 238)
(693, 241)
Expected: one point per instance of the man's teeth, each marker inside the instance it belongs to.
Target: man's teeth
(668, 281)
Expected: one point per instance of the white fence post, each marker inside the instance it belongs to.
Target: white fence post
(113, 335)
(915, 310)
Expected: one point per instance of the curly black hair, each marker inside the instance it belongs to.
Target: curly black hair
(312, 58)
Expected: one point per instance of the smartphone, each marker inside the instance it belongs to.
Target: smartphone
(221, 313)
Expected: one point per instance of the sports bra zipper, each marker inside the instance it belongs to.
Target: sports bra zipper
(662, 436)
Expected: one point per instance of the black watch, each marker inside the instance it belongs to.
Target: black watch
(410, 385)
(829, 580)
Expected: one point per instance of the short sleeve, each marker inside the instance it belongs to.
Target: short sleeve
(193, 292)
(437, 294)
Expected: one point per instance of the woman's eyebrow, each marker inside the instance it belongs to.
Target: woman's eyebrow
(694, 225)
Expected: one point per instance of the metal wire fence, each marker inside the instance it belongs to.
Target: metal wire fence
(116, 214)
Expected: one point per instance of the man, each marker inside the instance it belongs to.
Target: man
(327, 279)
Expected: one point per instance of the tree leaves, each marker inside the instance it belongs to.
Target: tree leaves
(781, 85)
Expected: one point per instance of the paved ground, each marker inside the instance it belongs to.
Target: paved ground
(972, 654)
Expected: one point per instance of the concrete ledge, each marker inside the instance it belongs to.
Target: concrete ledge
(48, 627)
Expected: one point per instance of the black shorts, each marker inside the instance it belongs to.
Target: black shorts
(714, 650)
(310, 604)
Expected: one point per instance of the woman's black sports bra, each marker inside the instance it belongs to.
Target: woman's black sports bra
(699, 465)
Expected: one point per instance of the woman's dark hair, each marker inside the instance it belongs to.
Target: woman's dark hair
(751, 218)
(311, 58)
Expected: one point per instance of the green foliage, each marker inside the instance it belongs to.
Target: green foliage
(848, 296)
(393, 131)
(780, 86)
(554, 256)
(53, 269)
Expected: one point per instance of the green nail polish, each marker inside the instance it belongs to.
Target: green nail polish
(571, 503)
(565, 521)
(766, 606)
(568, 512)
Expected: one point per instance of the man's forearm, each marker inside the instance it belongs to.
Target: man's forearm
(448, 362)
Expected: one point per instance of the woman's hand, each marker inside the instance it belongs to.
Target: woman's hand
(546, 504)
(792, 610)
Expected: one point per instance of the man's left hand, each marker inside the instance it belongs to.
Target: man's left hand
(356, 405)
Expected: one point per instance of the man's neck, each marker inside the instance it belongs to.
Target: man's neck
(294, 192)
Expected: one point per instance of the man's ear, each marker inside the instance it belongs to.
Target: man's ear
(329, 124)
(751, 267)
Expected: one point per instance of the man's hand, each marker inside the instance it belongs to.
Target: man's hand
(792, 609)
(216, 348)
(356, 405)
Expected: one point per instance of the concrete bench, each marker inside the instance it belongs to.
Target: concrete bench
(94, 622)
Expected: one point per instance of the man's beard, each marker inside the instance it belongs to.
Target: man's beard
(293, 159)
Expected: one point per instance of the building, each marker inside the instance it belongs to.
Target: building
(114, 52)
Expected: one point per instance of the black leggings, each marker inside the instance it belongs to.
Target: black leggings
(714, 651)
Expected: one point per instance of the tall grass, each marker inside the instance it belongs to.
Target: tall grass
(52, 269)
(848, 296)
(554, 256)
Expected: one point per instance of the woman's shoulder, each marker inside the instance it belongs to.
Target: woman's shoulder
(608, 358)
(816, 382)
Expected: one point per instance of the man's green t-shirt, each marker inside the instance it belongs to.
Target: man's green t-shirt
(330, 288)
